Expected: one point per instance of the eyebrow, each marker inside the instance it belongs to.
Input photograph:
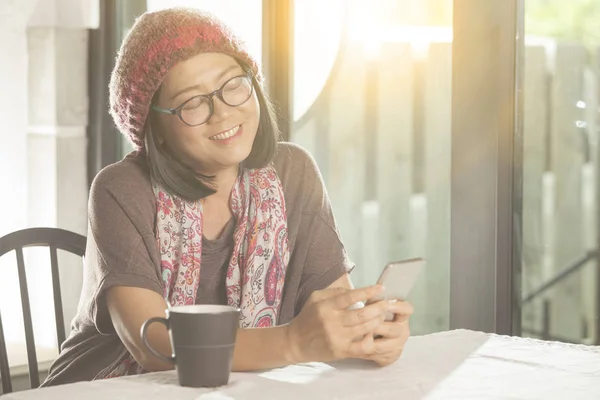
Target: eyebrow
(221, 75)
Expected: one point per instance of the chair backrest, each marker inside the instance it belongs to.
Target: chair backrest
(54, 239)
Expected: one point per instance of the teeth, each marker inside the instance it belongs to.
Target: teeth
(226, 135)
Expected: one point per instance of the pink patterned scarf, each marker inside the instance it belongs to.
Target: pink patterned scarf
(257, 268)
(256, 271)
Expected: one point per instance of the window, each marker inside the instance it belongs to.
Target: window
(561, 164)
(372, 103)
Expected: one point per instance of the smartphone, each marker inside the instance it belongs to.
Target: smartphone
(398, 279)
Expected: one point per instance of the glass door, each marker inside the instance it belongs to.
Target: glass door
(561, 87)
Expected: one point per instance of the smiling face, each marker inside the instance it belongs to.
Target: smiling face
(226, 138)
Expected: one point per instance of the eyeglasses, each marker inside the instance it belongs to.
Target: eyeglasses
(197, 110)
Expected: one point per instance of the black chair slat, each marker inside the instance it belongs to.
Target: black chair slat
(4, 368)
(58, 307)
(34, 378)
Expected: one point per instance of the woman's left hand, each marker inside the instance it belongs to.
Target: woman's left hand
(392, 336)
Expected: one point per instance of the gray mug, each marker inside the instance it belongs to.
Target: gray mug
(203, 340)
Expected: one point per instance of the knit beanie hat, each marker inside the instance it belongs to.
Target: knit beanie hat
(157, 42)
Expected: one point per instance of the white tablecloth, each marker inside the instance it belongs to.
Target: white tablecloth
(457, 364)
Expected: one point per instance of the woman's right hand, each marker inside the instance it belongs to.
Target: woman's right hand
(325, 330)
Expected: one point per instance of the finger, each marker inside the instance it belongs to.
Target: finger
(400, 318)
(350, 297)
(401, 308)
(364, 349)
(365, 329)
(389, 346)
(362, 315)
(384, 360)
(389, 330)
(321, 295)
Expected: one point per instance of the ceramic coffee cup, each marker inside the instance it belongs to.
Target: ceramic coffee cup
(203, 339)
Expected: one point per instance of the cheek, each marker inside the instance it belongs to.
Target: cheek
(179, 137)
(252, 110)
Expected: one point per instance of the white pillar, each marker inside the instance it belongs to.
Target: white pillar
(43, 109)
(13, 114)
(57, 144)
(13, 148)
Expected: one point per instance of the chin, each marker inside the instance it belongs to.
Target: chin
(241, 151)
(229, 154)
(233, 156)
(240, 156)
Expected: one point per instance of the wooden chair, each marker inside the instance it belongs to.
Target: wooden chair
(54, 239)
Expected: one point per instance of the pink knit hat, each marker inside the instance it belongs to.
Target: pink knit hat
(157, 42)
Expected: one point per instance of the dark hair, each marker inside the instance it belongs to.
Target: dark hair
(181, 180)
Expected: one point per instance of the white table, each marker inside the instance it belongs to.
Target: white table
(457, 364)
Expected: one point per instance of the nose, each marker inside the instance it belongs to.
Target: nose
(221, 111)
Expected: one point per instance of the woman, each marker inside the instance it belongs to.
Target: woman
(211, 209)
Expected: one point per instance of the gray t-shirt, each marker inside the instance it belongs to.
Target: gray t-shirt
(122, 251)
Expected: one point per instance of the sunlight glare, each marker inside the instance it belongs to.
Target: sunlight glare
(367, 26)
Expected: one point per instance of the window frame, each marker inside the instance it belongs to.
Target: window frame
(487, 166)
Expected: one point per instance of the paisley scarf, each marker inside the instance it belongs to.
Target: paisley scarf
(257, 268)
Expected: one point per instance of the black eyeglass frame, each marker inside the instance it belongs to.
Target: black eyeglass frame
(219, 93)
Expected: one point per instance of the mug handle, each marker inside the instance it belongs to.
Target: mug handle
(143, 333)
